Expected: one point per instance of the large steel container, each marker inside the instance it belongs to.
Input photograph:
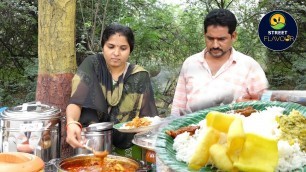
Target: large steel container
(31, 128)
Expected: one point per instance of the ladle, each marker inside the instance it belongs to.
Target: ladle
(100, 154)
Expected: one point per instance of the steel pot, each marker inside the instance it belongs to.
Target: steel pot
(91, 163)
(97, 136)
(31, 128)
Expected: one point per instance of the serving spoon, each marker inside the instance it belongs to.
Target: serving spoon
(99, 154)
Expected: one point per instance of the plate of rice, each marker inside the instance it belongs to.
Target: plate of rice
(270, 139)
(139, 124)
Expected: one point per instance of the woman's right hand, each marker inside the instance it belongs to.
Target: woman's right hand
(74, 138)
(73, 127)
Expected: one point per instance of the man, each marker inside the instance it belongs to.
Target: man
(219, 74)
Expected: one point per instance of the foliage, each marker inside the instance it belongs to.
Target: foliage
(158, 29)
(165, 36)
(287, 68)
(18, 50)
(248, 42)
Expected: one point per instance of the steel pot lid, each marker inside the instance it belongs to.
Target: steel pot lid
(31, 110)
(99, 127)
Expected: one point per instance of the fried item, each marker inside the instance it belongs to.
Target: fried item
(247, 111)
(138, 122)
(189, 129)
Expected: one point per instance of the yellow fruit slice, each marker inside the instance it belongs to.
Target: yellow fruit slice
(258, 154)
(220, 158)
(201, 155)
(218, 120)
(235, 139)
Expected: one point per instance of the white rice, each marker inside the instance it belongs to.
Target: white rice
(262, 123)
(185, 145)
(290, 157)
(155, 120)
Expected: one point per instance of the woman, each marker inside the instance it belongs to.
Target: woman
(108, 88)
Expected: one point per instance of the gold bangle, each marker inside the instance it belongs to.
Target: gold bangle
(74, 122)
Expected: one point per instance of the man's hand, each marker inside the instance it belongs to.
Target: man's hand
(250, 97)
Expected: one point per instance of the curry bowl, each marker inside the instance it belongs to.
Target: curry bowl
(95, 164)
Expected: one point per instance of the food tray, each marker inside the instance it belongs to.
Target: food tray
(164, 143)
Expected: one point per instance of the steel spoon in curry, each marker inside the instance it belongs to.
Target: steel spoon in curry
(99, 154)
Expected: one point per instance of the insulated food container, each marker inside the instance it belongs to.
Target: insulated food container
(31, 128)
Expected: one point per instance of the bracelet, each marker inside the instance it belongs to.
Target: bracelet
(74, 122)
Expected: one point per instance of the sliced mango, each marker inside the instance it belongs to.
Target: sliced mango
(235, 139)
(220, 158)
(201, 156)
(242, 152)
(258, 154)
(218, 120)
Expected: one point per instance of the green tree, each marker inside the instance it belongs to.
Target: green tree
(18, 51)
(287, 68)
(165, 36)
(57, 59)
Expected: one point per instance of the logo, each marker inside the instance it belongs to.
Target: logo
(277, 30)
(277, 21)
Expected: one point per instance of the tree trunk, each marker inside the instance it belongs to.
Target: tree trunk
(57, 58)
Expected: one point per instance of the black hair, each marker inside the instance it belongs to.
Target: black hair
(221, 17)
(114, 28)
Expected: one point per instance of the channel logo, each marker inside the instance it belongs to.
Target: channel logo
(277, 21)
(277, 30)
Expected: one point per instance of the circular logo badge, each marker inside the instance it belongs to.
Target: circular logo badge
(277, 30)
(277, 21)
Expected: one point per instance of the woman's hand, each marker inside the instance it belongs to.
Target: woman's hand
(74, 135)
(73, 127)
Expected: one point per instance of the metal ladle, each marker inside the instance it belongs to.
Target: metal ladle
(100, 154)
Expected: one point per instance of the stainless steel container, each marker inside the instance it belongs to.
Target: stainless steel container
(97, 136)
(31, 128)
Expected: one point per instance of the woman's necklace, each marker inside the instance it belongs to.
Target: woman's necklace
(117, 74)
(114, 82)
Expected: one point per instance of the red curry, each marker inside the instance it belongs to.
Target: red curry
(94, 165)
